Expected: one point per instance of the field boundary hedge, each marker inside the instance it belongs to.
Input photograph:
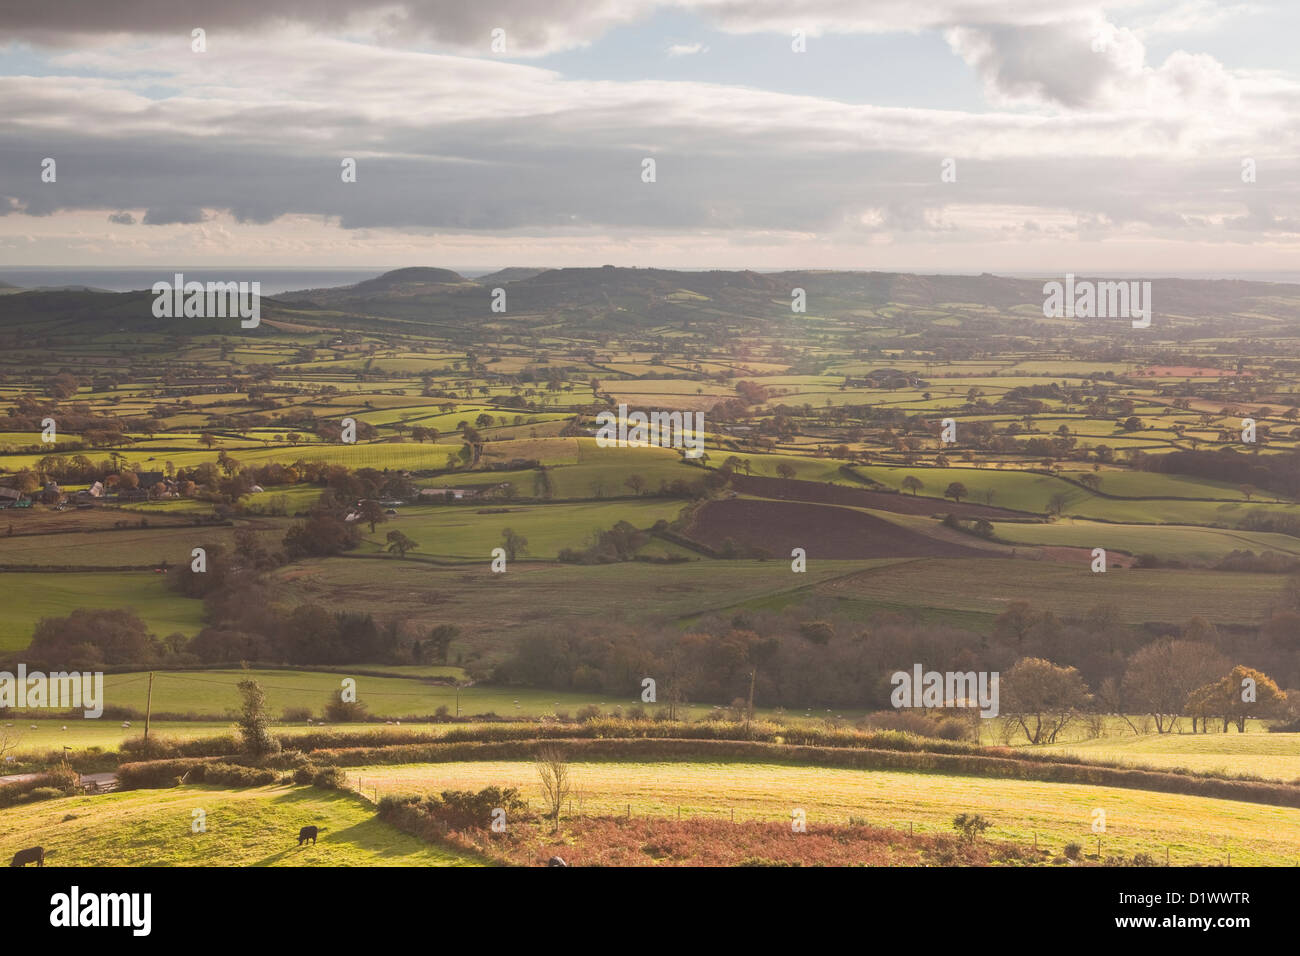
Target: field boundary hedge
(978, 765)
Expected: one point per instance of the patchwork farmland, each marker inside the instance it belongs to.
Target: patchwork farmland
(379, 574)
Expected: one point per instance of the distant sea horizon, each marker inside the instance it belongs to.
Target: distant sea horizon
(276, 281)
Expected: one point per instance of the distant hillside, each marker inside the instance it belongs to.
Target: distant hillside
(67, 288)
(416, 275)
(399, 283)
(605, 299)
(510, 274)
(642, 296)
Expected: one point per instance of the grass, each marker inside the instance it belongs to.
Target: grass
(214, 692)
(1031, 492)
(463, 533)
(1272, 756)
(990, 584)
(130, 547)
(1179, 542)
(253, 827)
(1198, 830)
(30, 596)
(491, 608)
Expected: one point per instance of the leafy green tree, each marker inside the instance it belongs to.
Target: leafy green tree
(254, 723)
(372, 513)
(399, 543)
(514, 543)
(1229, 699)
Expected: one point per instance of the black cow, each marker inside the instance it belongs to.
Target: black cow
(307, 833)
(33, 854)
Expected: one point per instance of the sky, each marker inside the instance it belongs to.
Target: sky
(916, 135)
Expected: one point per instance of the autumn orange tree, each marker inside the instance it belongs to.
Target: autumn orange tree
(1242, 694)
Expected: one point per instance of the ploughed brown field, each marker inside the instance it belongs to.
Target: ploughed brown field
(899, 503)
(822, 531)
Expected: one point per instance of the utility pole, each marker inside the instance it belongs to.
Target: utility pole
(148, 709)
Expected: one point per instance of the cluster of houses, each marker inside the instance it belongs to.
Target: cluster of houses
(151, 485)
(13, 498)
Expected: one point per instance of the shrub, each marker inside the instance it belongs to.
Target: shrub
(42, 793)
(340, 711)
(234, 775)
(463, 809)
(296, 715)
(1073, 851)
(588, 713)
(170, 748)
(970, 825)
(156, 774)
(330, 778)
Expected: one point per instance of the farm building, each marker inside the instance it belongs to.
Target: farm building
(453, 493)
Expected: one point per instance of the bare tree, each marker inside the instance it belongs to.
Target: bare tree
(1042, 699)
(553, 768)
(1161, 676)
(9, 740)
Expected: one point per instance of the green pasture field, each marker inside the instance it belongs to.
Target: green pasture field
(215, 693)
(989, 584)
(492, 609)
(1032, 492)
(579, 468)
(1197, 830)
(1271, 756)
(461, 532)
(30, 596)
(247, 827)
(1180, 542)
(128, 546)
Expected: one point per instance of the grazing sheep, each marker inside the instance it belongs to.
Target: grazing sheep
(308, 833)
(556, 861)
(33, 854)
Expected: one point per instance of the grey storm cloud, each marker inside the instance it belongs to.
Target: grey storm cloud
(172, 213)
(470, 187)
(532, 26)
(476, 144)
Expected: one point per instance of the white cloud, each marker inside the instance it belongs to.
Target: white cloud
(477, 153)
